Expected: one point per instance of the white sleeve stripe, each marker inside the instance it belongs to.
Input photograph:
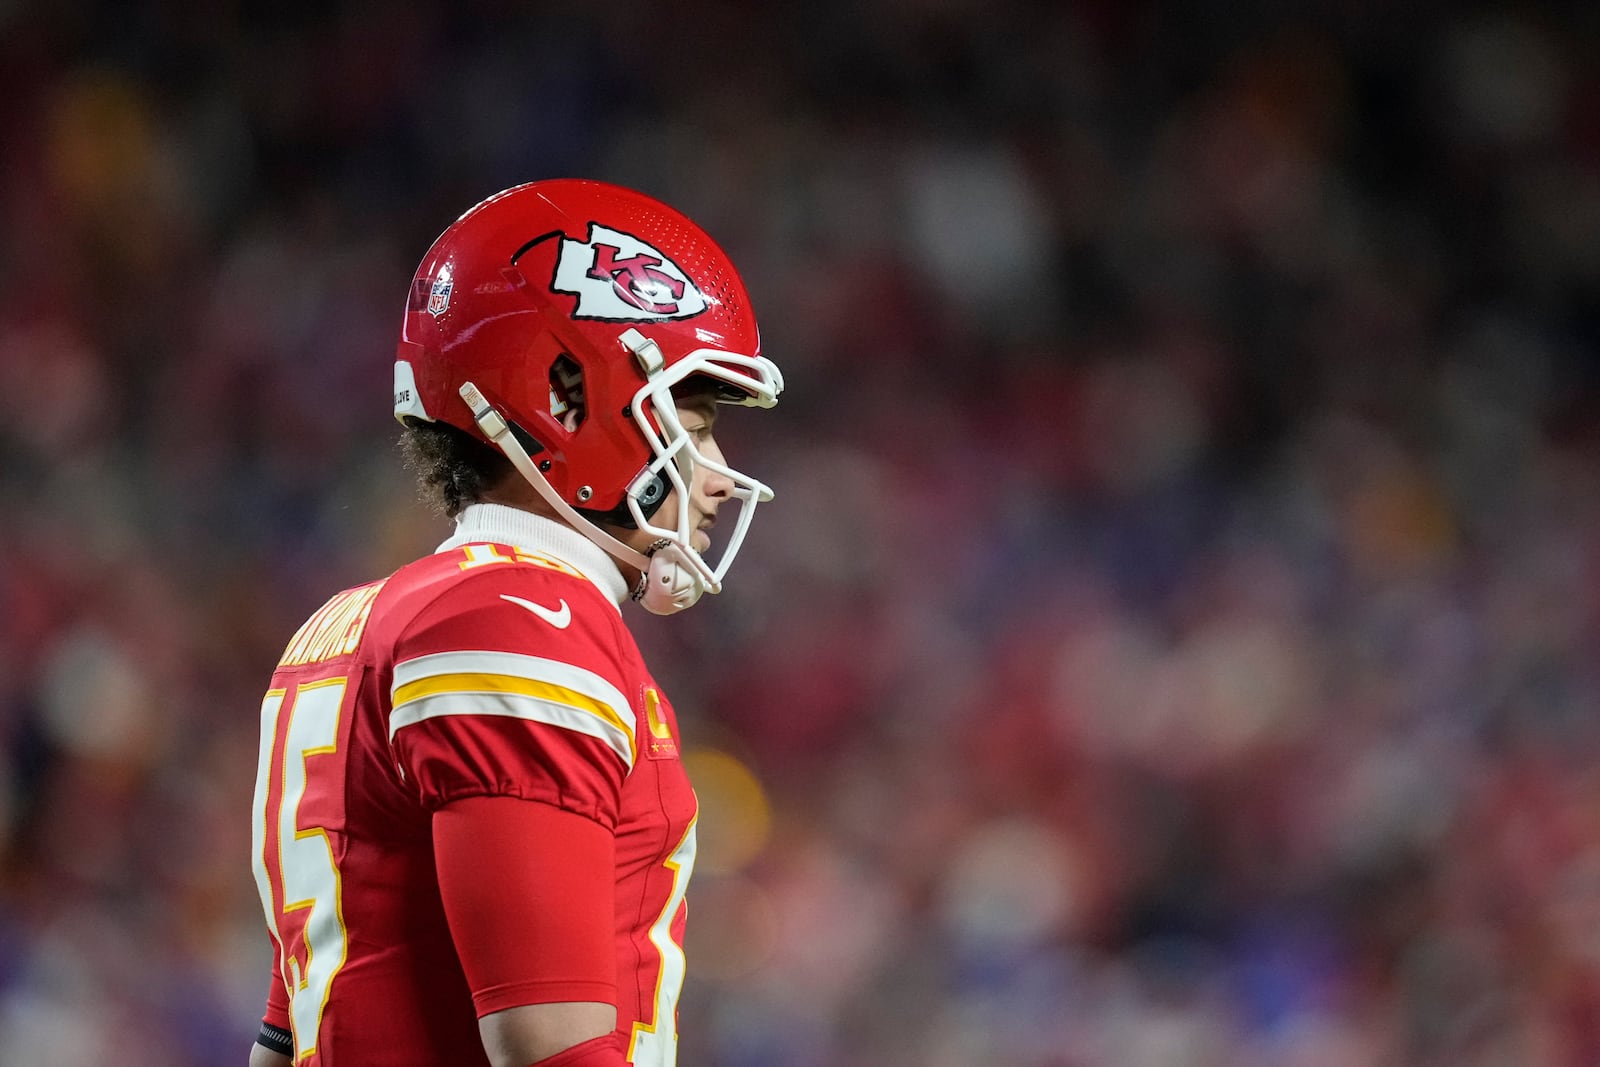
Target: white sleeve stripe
(516, 665)
(515, 706)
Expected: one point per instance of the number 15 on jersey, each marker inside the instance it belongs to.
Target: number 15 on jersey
(295, 868)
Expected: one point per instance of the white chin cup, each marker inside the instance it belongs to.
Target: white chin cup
(671, 584)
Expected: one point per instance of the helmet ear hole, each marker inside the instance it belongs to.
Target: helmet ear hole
(652, 494)
(566, 392)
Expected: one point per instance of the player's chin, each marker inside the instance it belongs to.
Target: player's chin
(700, 540)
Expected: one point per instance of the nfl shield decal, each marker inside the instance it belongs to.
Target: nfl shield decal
(618, 277)
(439, 293)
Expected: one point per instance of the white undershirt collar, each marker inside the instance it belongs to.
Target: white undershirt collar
(536, 533)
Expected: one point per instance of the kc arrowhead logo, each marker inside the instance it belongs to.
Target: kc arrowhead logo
(618, 277)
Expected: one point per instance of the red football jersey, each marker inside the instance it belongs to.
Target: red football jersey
(491, 668)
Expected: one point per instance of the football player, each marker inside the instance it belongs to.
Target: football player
(472, 829)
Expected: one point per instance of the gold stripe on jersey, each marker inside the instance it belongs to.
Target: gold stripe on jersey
(513, 685)
(505, 683)
(334, 630)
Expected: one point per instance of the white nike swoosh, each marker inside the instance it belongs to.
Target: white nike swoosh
(560, 617)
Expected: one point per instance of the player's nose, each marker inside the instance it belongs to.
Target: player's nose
(717, 486)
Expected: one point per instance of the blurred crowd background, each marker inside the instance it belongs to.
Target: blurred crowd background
(1176, 638)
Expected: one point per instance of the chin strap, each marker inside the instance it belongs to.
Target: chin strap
(671, 584)
(668, 581)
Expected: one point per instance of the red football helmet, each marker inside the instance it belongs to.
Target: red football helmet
(553, 321)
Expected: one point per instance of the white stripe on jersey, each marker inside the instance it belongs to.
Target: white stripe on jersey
(515, 685)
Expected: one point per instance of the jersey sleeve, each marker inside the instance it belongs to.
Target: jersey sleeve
(508, 684)
(529, 891)
(277, 1011)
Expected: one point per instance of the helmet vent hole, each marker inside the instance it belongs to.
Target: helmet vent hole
(566, 392)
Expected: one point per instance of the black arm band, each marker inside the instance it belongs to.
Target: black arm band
(276, 1039)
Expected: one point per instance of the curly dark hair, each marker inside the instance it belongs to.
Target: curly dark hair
(453, 468)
